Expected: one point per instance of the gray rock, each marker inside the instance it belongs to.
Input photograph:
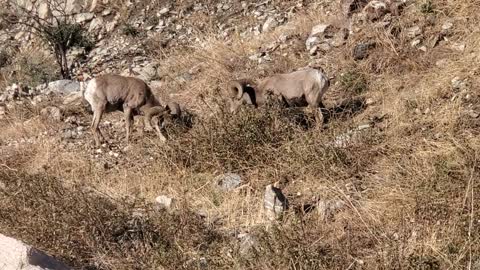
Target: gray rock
(323, 37)
(349, 137)
(44, 11)
(375, 10)
(16, 255)
(274, 202)
(447, 26)
(322, 30)
(228, 181)
(459, 47)
(96, 24)
(459, 84)
(326, 209)
(164, 10)
(52, 113)
(414, 31)
(164, 202)
(64, 86)
(74, 6)
(84, 17)
(269, 24)
(473, 114)
(311, 42)
(248, 243)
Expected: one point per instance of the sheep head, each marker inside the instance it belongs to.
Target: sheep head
(241, 92)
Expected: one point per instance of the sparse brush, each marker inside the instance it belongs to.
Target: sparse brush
(427, 7)
(354, 82)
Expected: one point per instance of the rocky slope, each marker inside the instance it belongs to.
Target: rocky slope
(388, 183)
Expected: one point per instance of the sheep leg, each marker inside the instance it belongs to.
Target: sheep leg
(317, 114)
(324, 112)
(97, 116)
(128, 121)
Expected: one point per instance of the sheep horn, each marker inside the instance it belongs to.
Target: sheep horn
(236, 88)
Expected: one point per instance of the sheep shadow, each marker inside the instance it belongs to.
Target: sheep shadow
(345, 109)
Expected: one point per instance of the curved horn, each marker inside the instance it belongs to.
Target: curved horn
(236, 88)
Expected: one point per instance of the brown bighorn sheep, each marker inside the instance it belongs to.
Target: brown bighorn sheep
(297, 89)
(108, 93)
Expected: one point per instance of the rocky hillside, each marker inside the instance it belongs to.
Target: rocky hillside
(389, 182)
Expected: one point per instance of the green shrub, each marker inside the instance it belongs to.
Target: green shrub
(354, 82)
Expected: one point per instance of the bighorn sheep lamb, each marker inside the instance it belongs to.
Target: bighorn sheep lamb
(108, 93)
(298, 89)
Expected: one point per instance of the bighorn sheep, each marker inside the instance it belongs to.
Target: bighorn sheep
(298, 89)
(108, 93)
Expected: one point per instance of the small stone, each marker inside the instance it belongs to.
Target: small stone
(3, 110)
(269, 24)
(473, 114)
(423, 48)
(459, 84)
(361, 51)
(228, 181)
(325, 30)
(362, 127)
(414, 31)
(311, 42)
(84, 17)
(52, 113)
(96, 24)
(459, 47)
(106, 12)
(447, 25)
(415, 43)
(327, 209)
(248, 243)
(44, 11)
(324, 47)
(313, 50)
(374, 10)
(164, 202)
(275, 203)
(164, 10)
(369, 101)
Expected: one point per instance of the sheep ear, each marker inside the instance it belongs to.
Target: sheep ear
(247, 98)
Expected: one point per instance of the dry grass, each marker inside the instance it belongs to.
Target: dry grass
(409, 183)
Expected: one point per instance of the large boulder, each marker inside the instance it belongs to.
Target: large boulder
(64, 86)
(16, 255)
